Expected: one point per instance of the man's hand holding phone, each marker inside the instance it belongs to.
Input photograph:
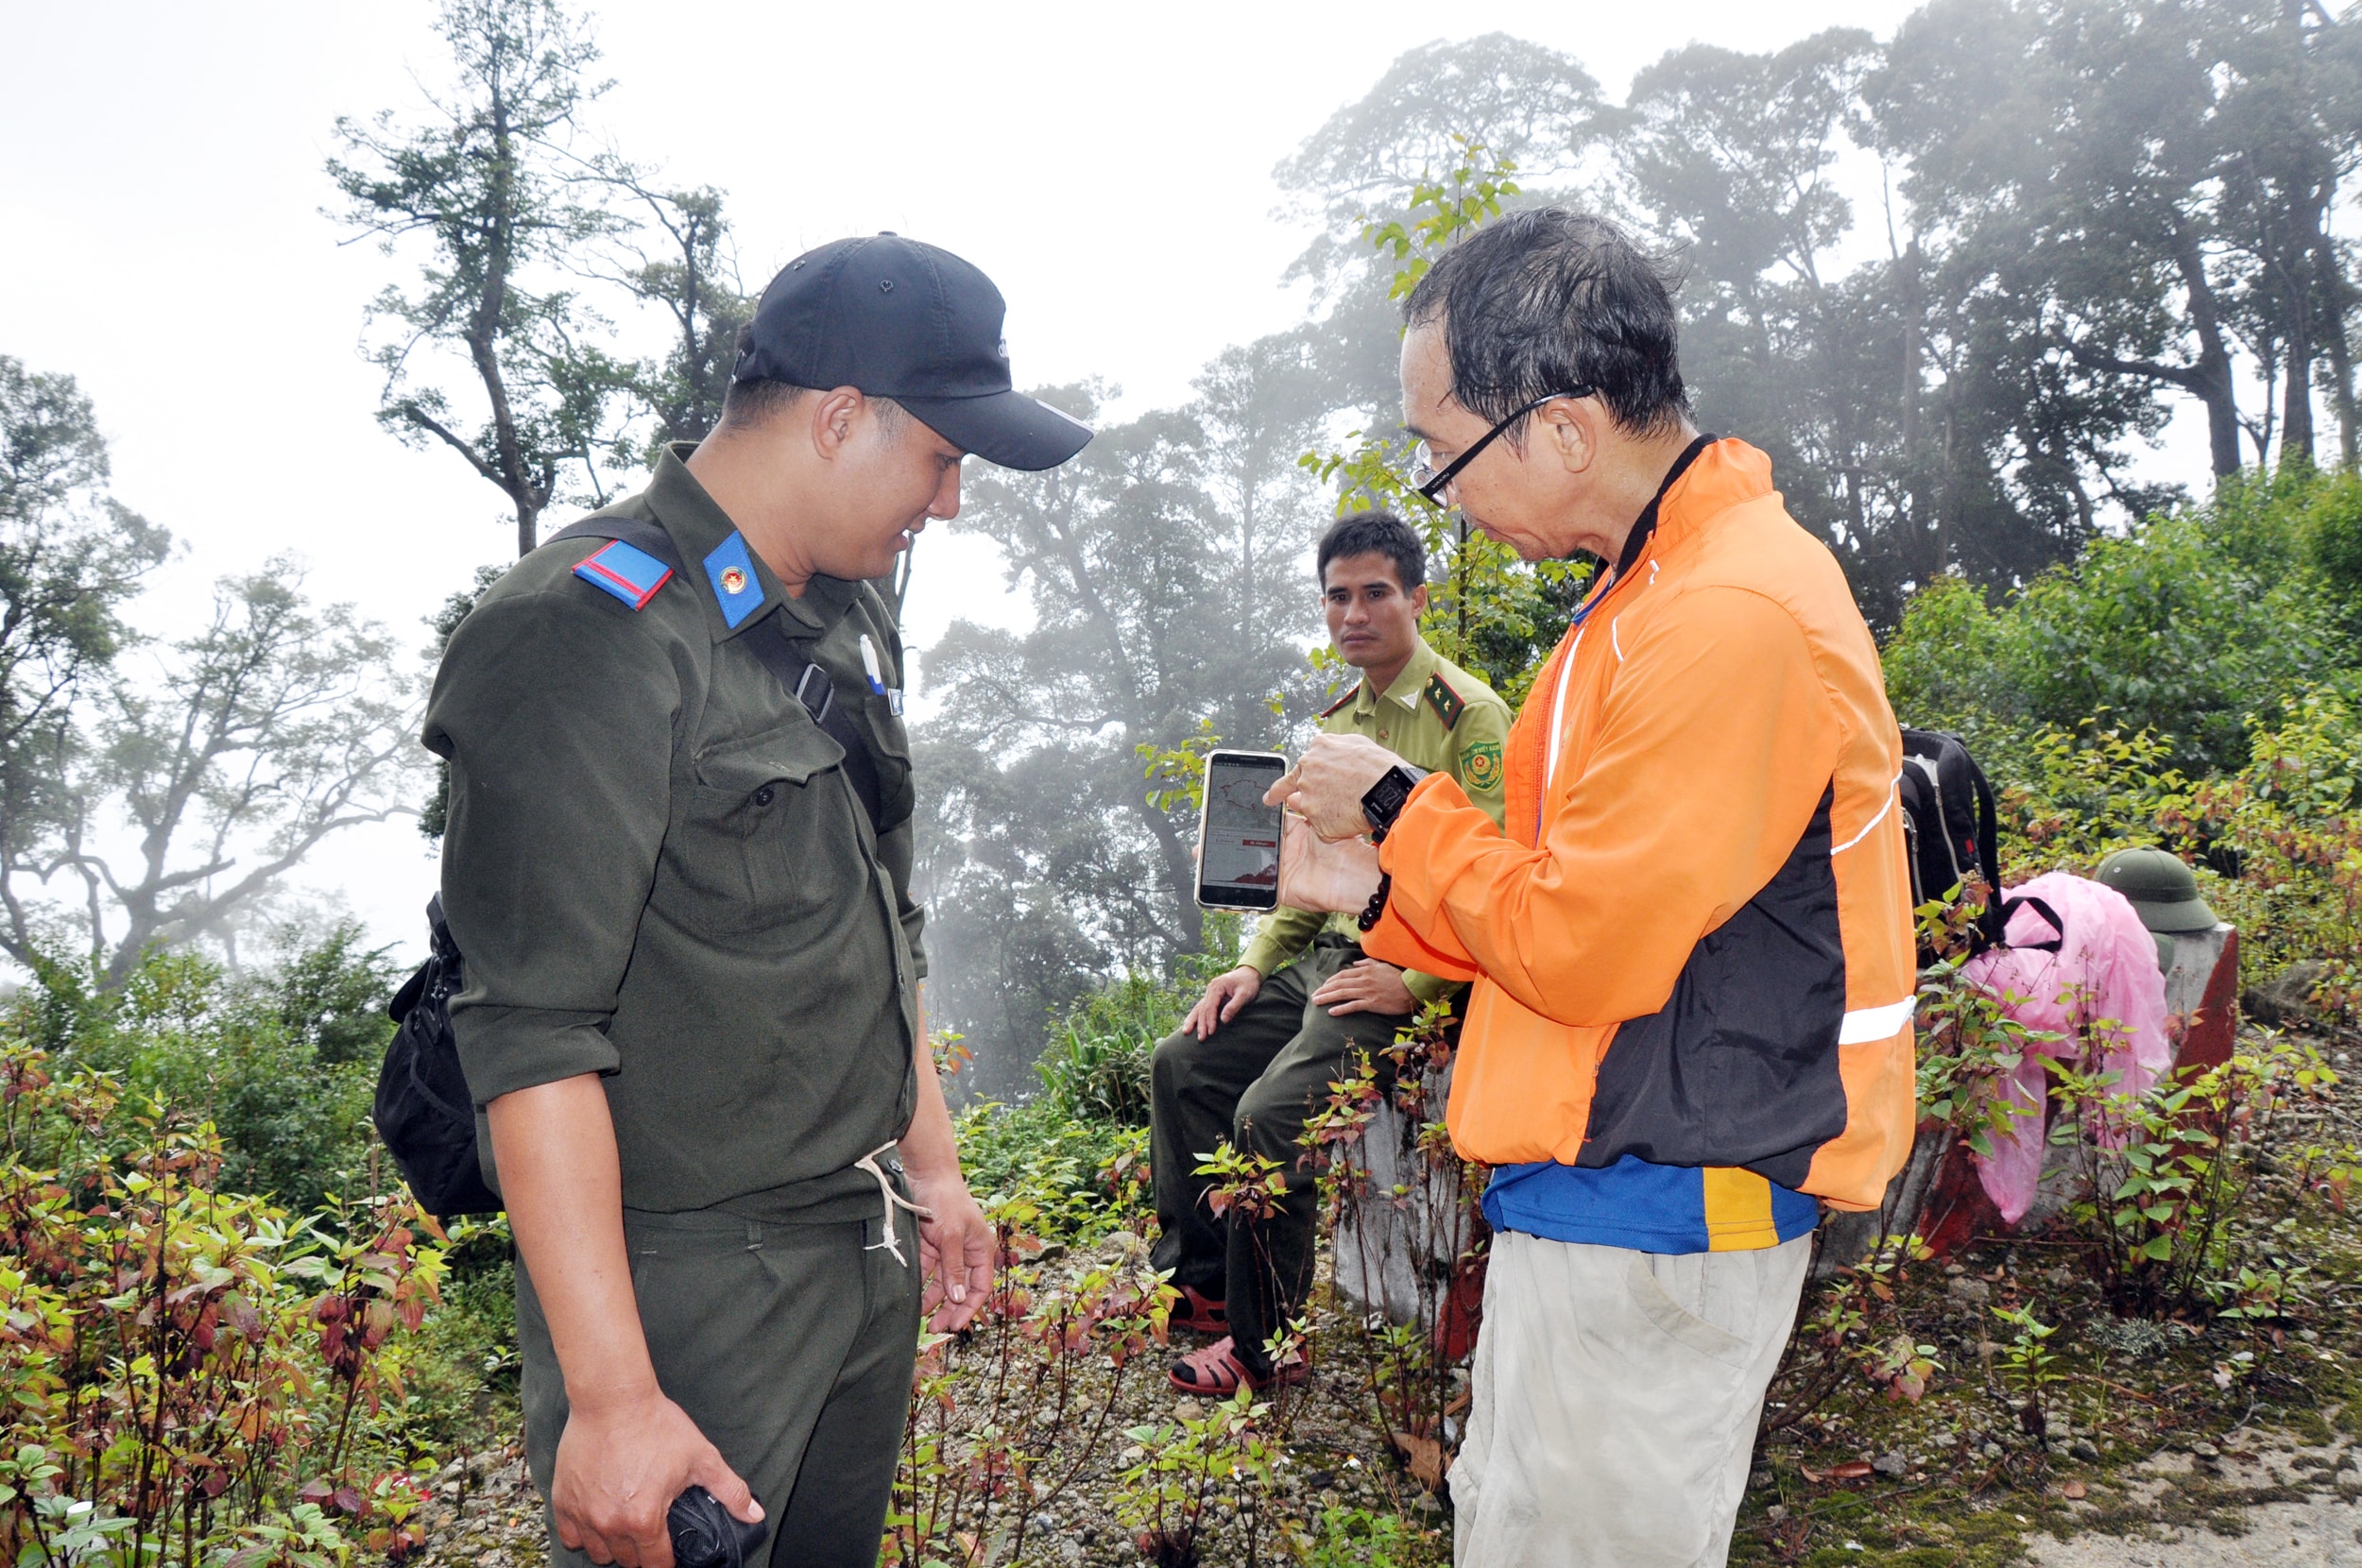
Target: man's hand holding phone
(1331, 876)
(1326, 786)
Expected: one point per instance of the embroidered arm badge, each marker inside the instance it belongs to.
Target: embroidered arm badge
(1481, 765)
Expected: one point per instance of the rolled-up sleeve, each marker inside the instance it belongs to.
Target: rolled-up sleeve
(557, 715)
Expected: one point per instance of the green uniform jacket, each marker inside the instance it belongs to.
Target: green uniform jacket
(655, 869)
(1435, 716)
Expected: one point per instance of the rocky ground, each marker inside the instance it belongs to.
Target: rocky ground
(483, 1513)
(2264, 1500)
(2175, 1444)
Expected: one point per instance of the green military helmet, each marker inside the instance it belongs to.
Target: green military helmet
(2161, 890)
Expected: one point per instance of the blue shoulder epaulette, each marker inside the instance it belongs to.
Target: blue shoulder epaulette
(624, 571)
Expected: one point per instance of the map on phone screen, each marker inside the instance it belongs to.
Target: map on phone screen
(1241, 848)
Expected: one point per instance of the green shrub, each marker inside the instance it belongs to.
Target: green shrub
(460, 1374)
(1358, 1538)
(1077, 1180)
(1096, 1066)
(282, 1064)
(190, 1375)
(2186, 626)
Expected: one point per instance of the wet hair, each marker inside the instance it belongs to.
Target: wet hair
(1373, 534)
(1549, 299)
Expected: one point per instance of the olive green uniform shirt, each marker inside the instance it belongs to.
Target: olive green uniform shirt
(1435, 716)
(656, 870)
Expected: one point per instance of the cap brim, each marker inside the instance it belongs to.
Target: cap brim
(2181, 915)
(1007, 428)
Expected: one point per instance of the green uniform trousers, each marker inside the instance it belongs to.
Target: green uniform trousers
(1254, 1081)
(790, 1345)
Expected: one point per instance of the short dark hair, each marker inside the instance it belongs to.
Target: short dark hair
(747, 403)
(1549, 298)
(1373, 534)
(751, 401)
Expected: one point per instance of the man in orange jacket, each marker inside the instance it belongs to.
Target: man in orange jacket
(1690, 942)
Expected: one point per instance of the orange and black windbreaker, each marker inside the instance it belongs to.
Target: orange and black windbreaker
(1692, 944)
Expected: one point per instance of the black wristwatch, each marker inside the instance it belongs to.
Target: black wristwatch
(1383, 801)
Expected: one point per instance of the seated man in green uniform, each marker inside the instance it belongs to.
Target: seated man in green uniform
(1255, 1055)
(678, 864)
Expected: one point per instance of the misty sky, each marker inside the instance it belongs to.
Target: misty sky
(160, 237)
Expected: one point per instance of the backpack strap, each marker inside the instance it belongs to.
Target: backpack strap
(1996, 920)
(805, 679)
(2042, 906)
(812, 686)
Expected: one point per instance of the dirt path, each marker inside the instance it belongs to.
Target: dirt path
(2258, 1503)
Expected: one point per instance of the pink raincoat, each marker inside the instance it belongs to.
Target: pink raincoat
(2106, 968)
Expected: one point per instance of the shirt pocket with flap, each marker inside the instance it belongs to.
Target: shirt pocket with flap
(767, 842)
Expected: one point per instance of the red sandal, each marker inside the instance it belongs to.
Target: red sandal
(1200, 1314)
(1217, 1371)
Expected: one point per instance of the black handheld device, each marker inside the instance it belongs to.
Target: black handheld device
(706, 1536)
(1238, 836)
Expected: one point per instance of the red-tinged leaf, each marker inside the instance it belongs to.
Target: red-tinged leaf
(1852, 1469)
(1424, 1457)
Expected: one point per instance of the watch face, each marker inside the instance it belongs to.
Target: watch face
(1385, 798)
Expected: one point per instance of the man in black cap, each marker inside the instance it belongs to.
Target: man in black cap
(678, 863)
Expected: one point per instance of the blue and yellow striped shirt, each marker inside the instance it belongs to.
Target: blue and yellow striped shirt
(1648, 1208)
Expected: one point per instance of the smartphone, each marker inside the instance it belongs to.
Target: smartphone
(1238, 836)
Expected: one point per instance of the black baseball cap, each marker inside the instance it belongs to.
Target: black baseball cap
(909, 321)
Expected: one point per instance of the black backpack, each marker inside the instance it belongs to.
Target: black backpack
(1949, 831)
(423, 1110)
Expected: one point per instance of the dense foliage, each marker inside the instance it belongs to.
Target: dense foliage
(2188, 624)
(281, 1060)
(2195, 683)
(194, 1375)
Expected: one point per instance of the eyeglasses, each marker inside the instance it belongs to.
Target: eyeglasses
(1431, 484)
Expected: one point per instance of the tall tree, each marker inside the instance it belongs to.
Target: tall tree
(1166, 569)
(250, 743)
(690, 277)
(1733, 156)
(1917, 408)
(2087, 135)
(71, 554)
(1532, 107)
(488, 186)
(2288, 128)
